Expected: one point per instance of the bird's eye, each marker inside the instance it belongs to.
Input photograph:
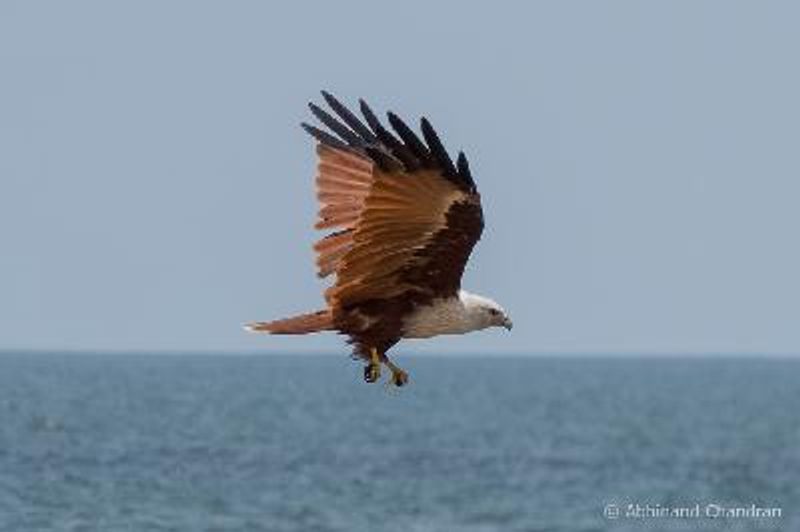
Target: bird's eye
(494, 312)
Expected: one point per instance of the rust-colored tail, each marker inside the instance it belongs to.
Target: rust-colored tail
(322, 320)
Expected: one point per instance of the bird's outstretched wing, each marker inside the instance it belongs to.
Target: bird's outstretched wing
(407, 217)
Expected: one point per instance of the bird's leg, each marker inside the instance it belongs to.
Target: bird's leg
(372, 371)
(399, 377)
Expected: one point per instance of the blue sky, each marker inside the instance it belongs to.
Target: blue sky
(638, 163)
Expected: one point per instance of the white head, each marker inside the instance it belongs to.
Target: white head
(482, 312)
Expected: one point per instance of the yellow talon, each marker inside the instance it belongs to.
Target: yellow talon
(399, 377)
(374, 357)
(372, 371)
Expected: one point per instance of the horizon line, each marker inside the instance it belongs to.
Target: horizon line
(423, 353)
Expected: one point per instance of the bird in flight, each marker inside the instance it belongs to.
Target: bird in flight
(405, 219)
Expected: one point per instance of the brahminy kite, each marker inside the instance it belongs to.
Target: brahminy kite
(406, 219)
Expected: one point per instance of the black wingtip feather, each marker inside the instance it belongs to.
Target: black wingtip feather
(393, 147)
(463, 169)
(369, 116)
(324, 137)
(349, 118)
(340, 129)
(437, 149)
(414, 144)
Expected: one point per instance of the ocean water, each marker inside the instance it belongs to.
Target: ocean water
(299, 443)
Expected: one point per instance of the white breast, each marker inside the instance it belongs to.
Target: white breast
(444, 316)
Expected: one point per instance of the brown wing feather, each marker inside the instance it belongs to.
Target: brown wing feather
(398, 234)
(343, 183)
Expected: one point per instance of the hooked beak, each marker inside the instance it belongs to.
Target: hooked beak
(507, 323)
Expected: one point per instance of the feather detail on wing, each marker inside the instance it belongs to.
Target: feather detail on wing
(406, 216)
(343, 182)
